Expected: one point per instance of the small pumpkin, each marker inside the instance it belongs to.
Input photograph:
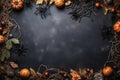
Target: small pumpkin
(107, 71)
(17, 4)
(59, 3)
(24, 73)
(2, 39)
(117, 26)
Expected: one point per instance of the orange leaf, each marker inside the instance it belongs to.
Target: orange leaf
(13, 65)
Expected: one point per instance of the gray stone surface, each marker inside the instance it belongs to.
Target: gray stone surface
(60, 41)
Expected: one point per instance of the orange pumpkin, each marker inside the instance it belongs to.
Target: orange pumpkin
(24, 73)
(59, 3)
(17, 4)
(117, 26)
(107, 71)
(2, 39)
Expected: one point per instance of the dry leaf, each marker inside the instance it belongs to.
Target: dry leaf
(105, 10)
(39, 74)
(39, 1)
(32, 71)
(51, 1)
(13, 65)
(75, 75)
(4, 31)
(87, 73)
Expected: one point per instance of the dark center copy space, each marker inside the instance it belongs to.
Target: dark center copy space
(60, 41)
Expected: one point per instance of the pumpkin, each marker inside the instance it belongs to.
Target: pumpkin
(117, 26)
(107, 71)
(59, 3)
(17, 4)
(2, 39)
(24, 73)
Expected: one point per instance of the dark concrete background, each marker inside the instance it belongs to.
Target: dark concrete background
(60, 41)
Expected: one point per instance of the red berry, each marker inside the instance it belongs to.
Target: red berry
(65, 75)
(1, 28)
(3, 22)
(46, 73)
(112, 10)
(97, 4)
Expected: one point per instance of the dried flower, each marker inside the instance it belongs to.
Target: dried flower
(75, 75)
(87, 73)
(98, 76)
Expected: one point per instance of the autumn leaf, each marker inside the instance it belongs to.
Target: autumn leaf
(39, 1)
(32, 71)
(5, 54)
(10, 42)
(105, 10)
(4, 31)
(15, 40)
(38, 74)
(13, 65)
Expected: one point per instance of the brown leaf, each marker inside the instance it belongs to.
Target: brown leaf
(39, 1)
(105, 10)
(32, 71)
(4, 31)
(39, 74)
(13, 65)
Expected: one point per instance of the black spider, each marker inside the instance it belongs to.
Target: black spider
(107, 32)
(19, 49)
(42, 10)
(28, 3)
